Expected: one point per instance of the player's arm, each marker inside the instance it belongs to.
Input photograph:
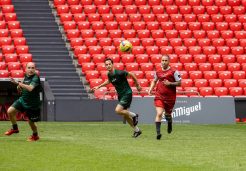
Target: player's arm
(135, 80)
(101, 85)
(21, 85)
(152, 84)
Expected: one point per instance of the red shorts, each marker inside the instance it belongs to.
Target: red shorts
(168, 106)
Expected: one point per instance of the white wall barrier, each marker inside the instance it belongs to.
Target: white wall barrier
(197, 110)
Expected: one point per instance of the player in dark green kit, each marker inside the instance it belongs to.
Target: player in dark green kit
(119, 80)
(29, 101)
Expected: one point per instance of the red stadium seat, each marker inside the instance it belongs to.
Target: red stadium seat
(138, 74)
(200, 58)
(73, 33)
(76, 9)
(184, 74)
(217, 18)
(173, 58)
(89, 9)
(166, 50)
(8, 49)
(198, 10)
(236, 91)
(161, 42)
(238, 75)
(91, 41)
(185, 34)
(233, 66)
(134, 41)
(204, 42)
(152, 25)
(10, 17)
(157, 34)
(138, 50)
(13, 25)
(219, 66)
(3, 66)
(127, 2)
(97, 25)
(103, 34)
(186, 58)
(66, 17)
(93, 17)
(213, 34)
(210, 75)
(179, 50)
(218, 42)
(207, 2)
(152, 50)
(187, 83)
(108, 17)
(220, 91)
(227, 34)
(189, 42)
(114, 57)
(206, 91)
(84, 58)
(186, 9)
(240, 34)
(17, 73)
(114, 2)
(98, 58)
(140, 2)
(111, 25)
(109, 50)
(229, 58)
(230, 83)
(129, 34)
(177, 66)
(243, 42)
(230, 18)
(209, 50)
(242, 83)
(215, 83)
(11, 58)
(132, 66)
(195, 74)
(155, 58)
(22, 49)
(80, 50)
(190, 66)
(203, 18)
(146, 67)
(14, 66)
(212, 10)
(190, 18)
(205, 66)
(88, 67)
(242, 18)
(238, 50)
(131, 9)
(100, 67)
(214, 59)
(198, 34)
(95, 82)
(5, 41)
(225, 74)
(72, 2)
(149, 75)
(119, 66)
(143, 82)
(220, 2)
(76, 42)
(16, 33)
(4, 73)
(139, 25)
(117, 9)
(103, 9)
(201, 83)
(157, 9)
(238, 10)
(105, 41)
(147, 42)
(125, 25)
(135, 17)
(127, 58)
(172, 9)
(143, 9)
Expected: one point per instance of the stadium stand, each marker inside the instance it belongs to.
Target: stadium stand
(207, 37)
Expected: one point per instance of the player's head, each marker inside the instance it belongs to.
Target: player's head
(30, 68)
(165, 60)
(108, 64)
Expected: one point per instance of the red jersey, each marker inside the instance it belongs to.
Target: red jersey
(164, 92)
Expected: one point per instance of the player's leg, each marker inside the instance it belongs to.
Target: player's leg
(168, 116)
(33, 116)
(12, 111)
(34, 136)
(159, 112)
(125, 113)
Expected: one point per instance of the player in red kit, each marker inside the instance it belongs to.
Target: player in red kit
(166, 80)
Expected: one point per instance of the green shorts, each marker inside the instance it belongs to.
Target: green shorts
(33, 114)
(125, 100)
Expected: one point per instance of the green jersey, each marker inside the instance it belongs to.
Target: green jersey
(119, 79)
(31, 99)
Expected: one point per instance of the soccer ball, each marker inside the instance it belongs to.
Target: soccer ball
(125, 46)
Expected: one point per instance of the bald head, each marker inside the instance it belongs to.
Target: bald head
(30, 68)
(165, 60)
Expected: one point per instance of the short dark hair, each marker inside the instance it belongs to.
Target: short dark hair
(109, 59)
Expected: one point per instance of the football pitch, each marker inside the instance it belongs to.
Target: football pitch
(109, 146)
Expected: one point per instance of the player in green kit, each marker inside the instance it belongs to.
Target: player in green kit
(119, 80)
(29, 101)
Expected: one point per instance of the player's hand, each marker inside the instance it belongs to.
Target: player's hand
(13, 81)
(19, 89)
(94, 88)
(150, 92)
(139, 88)
(167, 83)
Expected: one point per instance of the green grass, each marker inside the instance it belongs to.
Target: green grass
(109, 146)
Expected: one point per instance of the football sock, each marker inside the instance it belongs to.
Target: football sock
(35, 133)
(168, 118)
(132, 114)
(158, 127)
(15, 127)
(136, 129)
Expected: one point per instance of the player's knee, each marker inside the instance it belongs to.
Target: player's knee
(11, 111)
(118, 111)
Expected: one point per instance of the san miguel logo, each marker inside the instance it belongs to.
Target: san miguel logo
(186, 111)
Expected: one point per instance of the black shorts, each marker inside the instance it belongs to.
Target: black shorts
(125, 100)
(32, 114)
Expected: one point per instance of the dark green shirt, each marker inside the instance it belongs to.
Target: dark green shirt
(119, 79)
(31, 99)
